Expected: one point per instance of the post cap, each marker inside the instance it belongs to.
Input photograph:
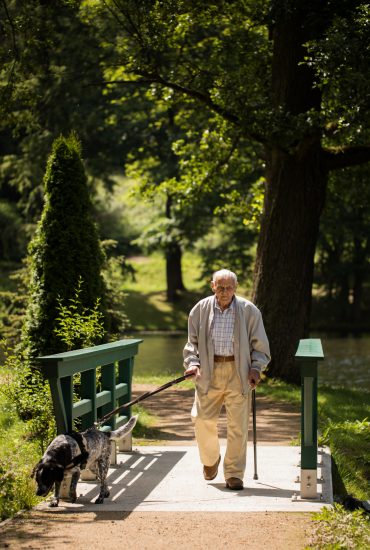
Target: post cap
(310, 348)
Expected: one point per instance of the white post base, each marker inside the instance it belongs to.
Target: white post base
(308, 483)
(65, 486)
(125, 444)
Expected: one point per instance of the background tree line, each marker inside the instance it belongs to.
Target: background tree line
(244, 118)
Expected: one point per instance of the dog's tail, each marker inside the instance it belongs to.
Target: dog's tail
(124, 430)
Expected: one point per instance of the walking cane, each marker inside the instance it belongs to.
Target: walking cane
(254, 433)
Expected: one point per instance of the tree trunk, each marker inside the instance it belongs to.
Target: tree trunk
(173, 271)
(173, 256)
(296, 180)
(285, 256)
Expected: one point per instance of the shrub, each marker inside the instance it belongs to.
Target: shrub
(29, 394)
(18, 455)
(338, 529)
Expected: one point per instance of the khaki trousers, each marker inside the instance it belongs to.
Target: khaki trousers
(225, 389)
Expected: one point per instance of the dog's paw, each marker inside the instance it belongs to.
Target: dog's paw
(53, 503)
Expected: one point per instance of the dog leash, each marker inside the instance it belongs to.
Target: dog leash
(142, 397)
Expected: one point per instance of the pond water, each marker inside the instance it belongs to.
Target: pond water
(347, 360)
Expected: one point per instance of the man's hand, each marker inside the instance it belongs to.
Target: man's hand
(253, 378)
(194, 370)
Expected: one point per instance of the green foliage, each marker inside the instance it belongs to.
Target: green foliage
(18, 454)
(13, 303)
(29, 394)
(17, 491)
(51, 81)
(338, 529)
(78, 326)
(64, 249)
(340, 60)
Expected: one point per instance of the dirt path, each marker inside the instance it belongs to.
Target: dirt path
(277, 423)
(157, 531)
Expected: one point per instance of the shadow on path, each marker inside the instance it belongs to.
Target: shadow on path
(278, 423)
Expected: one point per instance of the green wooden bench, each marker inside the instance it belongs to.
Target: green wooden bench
(115, 361)
(308, 354)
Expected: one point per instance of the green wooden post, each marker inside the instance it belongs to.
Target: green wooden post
(67, 392)
(308, 354)
(58, 404)
(88, 396)
(108, 380)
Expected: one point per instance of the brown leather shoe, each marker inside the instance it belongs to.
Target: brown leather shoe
(210, 472)
(234, 483)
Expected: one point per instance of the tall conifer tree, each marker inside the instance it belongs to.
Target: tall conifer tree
(65, 248)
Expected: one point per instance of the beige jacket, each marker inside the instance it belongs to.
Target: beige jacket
(251, 347)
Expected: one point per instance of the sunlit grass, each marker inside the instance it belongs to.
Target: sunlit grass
(145, 426)
(151, 273)
(146, 302)
(280, 391)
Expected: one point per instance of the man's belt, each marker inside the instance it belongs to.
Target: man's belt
(223, 358)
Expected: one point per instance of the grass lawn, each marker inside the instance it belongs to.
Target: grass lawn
(146, 305)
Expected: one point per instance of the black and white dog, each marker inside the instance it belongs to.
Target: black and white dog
(70, 453)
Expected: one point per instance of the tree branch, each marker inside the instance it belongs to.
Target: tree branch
(344, 157)
(13, 30)
(139, 82)
(150, 78)
(196, 94)
(223, 161)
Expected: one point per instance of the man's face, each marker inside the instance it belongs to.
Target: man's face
(224, 288)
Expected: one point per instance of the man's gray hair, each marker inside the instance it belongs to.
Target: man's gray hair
(226, 274)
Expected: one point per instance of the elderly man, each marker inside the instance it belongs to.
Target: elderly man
(226, 351)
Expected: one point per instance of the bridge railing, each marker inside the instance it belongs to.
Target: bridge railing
(308, 354)
(105, 383)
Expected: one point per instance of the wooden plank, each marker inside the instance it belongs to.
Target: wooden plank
(81, 407)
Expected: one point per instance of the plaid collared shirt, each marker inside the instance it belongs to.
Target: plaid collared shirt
(223, 329)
